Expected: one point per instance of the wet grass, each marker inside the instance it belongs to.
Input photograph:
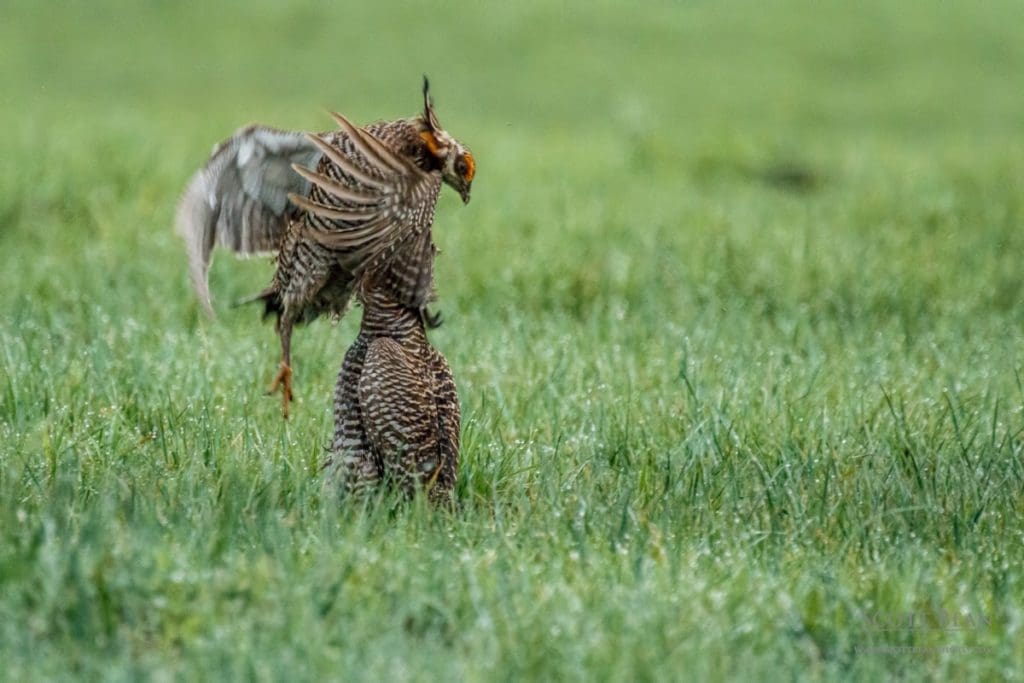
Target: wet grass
(735, 315)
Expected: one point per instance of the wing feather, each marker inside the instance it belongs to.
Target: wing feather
(239, 199)
(378, 207)
(362, 213)
(344, 163)
(373, 149)
(334, 187)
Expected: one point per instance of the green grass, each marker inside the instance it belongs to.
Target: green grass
(735, 313)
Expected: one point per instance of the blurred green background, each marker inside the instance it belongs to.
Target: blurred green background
(735, 315)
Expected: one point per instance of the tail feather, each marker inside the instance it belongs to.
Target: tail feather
(269, 297)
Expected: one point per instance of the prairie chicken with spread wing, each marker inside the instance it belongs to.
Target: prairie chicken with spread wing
(372, 189)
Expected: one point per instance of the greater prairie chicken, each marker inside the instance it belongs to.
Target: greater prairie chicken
(396, 409)
(372, 195)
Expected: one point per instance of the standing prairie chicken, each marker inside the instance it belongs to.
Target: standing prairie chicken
(373, 190)
(396, 408)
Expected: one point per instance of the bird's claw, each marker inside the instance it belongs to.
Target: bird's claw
(283, 381)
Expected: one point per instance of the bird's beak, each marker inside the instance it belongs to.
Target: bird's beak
(464, 193)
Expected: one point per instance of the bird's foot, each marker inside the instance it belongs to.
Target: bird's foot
(283, 381)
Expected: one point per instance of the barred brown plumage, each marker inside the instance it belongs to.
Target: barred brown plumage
(361, 204)
(396, 407)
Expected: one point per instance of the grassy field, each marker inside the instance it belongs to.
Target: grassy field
(736, 315)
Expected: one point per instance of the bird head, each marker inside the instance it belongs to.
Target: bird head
(454, 158)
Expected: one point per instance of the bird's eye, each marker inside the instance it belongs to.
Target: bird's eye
(465, 166)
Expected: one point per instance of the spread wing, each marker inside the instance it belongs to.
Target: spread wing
(372, 205)
(239, 200)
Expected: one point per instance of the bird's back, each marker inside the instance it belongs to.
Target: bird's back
(396, 405)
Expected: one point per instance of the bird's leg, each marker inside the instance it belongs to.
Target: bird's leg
(283, 379)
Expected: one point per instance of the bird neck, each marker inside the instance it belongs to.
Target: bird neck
(383, 316)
